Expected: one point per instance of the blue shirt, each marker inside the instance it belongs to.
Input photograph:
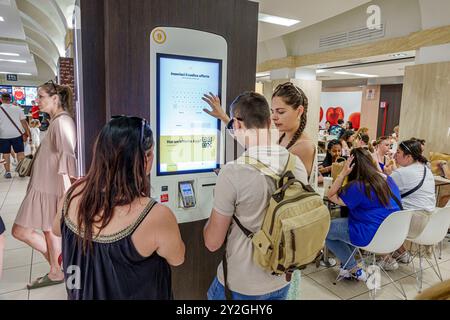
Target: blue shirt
(365, 214)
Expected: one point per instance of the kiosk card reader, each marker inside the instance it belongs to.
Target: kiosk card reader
(187, 195)
(189, 145)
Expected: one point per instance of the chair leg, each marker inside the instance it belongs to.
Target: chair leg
(343, 267)
(438, 273)
(440, 249)
(419, 274)
(401, 289)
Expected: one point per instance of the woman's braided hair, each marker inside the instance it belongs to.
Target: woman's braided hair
(294, 97)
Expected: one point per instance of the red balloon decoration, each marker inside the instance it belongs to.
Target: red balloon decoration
(355, 119)
(321, 114)
(334, 114)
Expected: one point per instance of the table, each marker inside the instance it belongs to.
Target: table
(439, 183)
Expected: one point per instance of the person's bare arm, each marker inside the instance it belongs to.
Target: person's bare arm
(168, 237)
(26, 127)
(306, 152)
(215, 230)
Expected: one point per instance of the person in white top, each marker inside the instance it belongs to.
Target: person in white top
(416, 183)
(12, 127)
(243, 191)
(35, 135)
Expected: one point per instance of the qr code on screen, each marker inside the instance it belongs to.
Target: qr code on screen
(206, 142)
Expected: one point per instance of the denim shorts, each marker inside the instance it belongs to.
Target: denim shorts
(217, 292)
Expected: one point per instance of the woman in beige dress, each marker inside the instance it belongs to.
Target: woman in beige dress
(55, 162)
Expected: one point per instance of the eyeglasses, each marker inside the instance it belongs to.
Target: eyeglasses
(143, 123)
(230, 124)
(53, 84)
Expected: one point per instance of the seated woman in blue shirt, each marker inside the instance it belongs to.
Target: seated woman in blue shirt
(369, 196)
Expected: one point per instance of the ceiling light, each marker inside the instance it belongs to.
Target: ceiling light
(356, 74)
(9, 54)
(320, 71)
(15, 61)
(2, 19)
(262, 74)
(277, 20)
(20, 73)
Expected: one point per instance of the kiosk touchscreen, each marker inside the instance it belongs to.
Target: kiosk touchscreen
(189, 146)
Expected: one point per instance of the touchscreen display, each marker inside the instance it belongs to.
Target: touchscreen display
(188, 138)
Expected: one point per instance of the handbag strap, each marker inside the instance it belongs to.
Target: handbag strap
(12, 121)
(404, 195)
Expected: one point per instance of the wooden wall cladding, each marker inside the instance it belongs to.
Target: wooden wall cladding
(128, 44)
(425, 110)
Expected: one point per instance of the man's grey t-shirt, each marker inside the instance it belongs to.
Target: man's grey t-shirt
(243, 191)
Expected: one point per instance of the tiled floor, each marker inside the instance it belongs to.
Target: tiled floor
(22, 264)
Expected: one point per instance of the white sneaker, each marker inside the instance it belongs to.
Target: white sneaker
(388, 264)
(359, 274)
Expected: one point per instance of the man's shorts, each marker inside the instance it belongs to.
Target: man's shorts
(2, 226)
(15, 143)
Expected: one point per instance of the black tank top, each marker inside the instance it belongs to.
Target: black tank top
(112, 269)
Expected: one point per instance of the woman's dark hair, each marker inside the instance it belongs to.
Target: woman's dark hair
(414, 149)
(350, 125)
(64, 92)
(365, 173)
(331, 144)
(117, 174)
(346, 135)
(253, 109)
(294, 97)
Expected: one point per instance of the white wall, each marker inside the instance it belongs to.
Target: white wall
(435, 13)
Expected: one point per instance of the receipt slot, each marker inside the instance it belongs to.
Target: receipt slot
(189, 145)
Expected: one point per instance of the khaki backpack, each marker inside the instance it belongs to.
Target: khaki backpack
(295, 225)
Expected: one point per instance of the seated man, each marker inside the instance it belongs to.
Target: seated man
(244, 192)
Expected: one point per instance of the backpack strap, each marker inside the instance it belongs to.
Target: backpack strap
(261, 167)
(404, 195)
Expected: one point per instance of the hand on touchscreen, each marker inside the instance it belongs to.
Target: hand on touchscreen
(217, 112)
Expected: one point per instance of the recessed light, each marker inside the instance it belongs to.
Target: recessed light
(2, 19)
(277, 20)
(356, 74)
(15, 61)
(399, 55)
(10, 54)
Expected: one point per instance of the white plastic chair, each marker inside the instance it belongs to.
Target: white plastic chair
(389, 237)
(433, 233)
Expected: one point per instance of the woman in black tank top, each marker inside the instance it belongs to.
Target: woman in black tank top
(131, 262)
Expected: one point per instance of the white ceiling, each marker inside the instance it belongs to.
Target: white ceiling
(308, 11)
(36, 30)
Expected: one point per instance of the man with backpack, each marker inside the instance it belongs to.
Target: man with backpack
(242, 196)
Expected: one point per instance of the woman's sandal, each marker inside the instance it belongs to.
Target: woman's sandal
(44, 281)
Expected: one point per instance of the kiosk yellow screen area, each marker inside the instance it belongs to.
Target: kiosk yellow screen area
(188, 138)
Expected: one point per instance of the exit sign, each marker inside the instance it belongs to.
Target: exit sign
(11, 77)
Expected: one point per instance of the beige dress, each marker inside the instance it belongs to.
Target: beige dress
(56, 158)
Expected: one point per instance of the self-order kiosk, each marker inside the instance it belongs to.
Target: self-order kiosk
(189, 144)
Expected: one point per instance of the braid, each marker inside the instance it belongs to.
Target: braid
(299, 131)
